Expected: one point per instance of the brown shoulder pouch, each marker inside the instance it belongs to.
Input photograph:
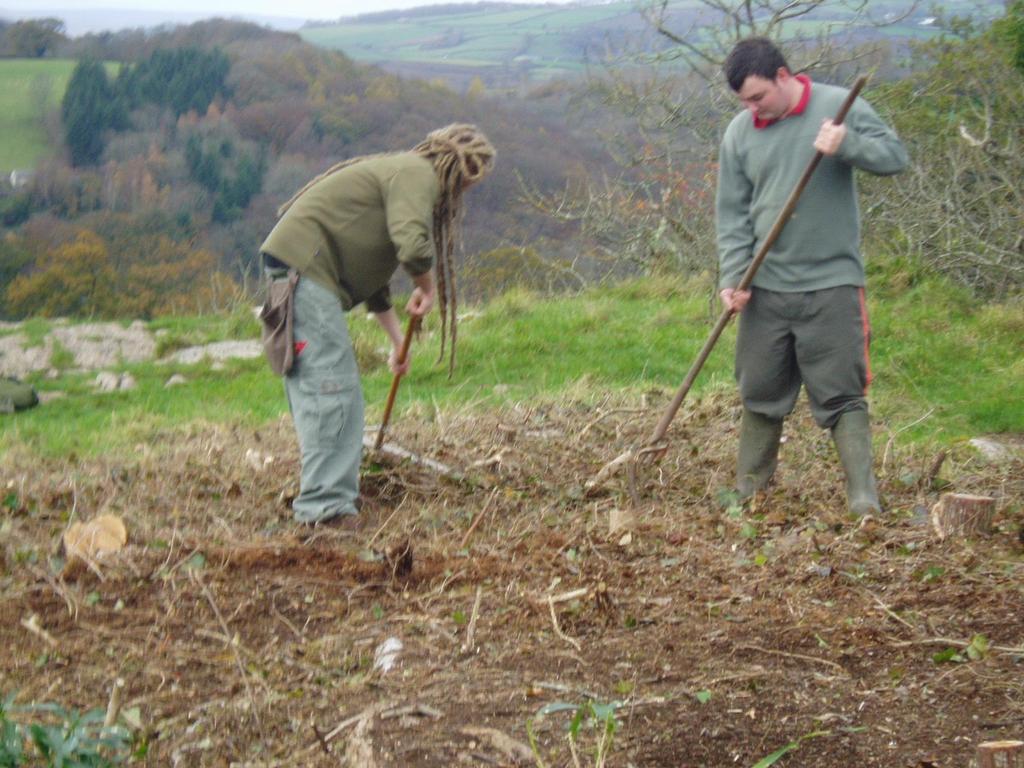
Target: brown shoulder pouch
(277, 316)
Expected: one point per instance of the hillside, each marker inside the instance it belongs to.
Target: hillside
(509, 45)
(30, 94)
(30, 89)
(502, 44)
(281, 111)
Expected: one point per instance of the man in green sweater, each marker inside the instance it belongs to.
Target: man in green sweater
(345, 233)
(804, 319)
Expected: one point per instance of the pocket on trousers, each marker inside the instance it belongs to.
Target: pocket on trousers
(321, 417)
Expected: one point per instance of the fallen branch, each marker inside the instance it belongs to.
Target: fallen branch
(514, 750)
(558, 630)
(385, 524)
(605, 414)
(800, 656)
(238, 659)
(359, 748)
(565, 597)
(566, 689)
(412, 709)
(608, 470)
(892, 438)
(284, 620)
(32, 625)
(478, 518)
(402, 455)
(933, 470)
(946, 641)
(468, 646)
(490, 461)
(892, 614)
(114, 705)
(341, 727)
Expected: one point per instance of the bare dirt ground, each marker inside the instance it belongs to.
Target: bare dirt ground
(723, 634)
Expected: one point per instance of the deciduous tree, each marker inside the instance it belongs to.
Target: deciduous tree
(74, 280)
(33, 38)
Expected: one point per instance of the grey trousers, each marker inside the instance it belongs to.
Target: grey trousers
(818, 339)
(326, 403)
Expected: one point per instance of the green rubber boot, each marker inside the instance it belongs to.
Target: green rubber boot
(758, 453)
(852, 436)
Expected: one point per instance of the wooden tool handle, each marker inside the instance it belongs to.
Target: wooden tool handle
(403, 353)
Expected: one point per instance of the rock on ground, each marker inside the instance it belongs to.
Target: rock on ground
(95, 346)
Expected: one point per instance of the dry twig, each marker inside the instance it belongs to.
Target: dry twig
(238, 659)
(558, 630)
(32, 625)
(514, 750)
(801, 656)
(114, 704)
(479, 517)
(469, 645)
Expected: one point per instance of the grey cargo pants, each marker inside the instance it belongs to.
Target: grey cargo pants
(326, 402)
(816, 338)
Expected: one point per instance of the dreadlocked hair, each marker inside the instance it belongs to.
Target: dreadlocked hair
(461, 155)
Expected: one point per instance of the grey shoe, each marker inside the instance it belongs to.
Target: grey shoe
(852, 436)
(758, 452)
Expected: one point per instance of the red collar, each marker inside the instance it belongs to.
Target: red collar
(797, 110)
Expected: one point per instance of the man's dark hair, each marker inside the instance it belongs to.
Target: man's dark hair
(752, 56)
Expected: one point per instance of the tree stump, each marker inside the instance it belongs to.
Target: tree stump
(1001, 754)
(962, 514)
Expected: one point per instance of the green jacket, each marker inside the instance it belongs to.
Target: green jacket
(759, 168)
(351, 230)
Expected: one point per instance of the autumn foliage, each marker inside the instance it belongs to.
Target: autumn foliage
(176, 160)
(80, 279)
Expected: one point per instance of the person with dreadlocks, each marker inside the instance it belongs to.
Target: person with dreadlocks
(344, 234)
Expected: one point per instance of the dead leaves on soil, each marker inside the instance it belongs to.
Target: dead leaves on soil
(87, 544)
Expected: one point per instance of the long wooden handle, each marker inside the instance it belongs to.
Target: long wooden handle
(748, 276)
(403, 353)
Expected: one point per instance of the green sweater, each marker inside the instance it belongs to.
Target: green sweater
(351, 230)
(758, 169)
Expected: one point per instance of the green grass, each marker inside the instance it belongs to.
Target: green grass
(937, 352)
(29, 89)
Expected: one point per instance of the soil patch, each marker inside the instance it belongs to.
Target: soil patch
(721, 634)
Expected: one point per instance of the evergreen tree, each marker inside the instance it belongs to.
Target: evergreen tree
(90, 107)
(1010, 29)
(183, 79)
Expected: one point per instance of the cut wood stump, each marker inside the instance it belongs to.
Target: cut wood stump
(962, 514)
(1001, 754)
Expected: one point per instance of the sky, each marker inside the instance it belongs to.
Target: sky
(300, 9)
